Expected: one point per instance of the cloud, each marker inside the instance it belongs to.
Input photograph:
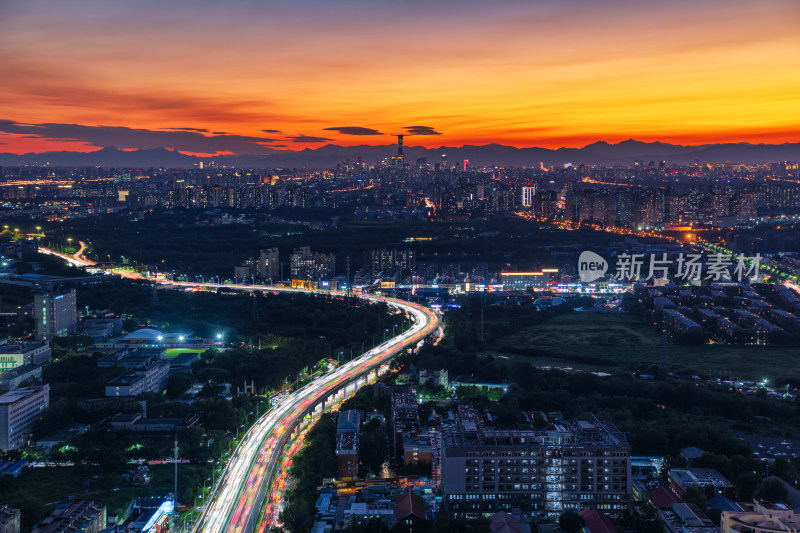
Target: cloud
(307, 139)
(271, 131)
(198, 130)
(354, 130)
(130, 138)
(421, 130)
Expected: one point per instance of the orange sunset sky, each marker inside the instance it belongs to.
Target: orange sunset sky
(210, 77)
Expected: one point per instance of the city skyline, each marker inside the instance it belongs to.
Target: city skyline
(248, 78)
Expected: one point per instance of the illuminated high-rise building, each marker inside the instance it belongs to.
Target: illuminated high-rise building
(528, 192)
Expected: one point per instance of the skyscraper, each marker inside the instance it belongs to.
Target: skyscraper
(399, 161)
(528, 192)
(56, 314)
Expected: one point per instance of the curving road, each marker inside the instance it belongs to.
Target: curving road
(238, 498)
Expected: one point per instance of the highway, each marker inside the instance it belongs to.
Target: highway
(238, 498)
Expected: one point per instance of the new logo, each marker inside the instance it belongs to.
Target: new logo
(591, 266)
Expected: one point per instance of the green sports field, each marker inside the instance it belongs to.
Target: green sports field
(174, 352)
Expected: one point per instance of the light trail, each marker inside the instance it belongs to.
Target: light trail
(237, 499)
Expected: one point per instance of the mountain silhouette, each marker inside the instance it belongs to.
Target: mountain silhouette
(329, 155)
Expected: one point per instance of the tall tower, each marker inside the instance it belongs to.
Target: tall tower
(399, 161)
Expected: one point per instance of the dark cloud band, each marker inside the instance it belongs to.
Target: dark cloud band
(421, 130)
(354, 130)
(183, 139)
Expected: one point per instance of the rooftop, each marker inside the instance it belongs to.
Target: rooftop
(17, 395)
(687, 477)
(591, 432)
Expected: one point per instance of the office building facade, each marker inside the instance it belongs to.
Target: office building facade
(56, 314)
(19, 409)
(570, 465)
